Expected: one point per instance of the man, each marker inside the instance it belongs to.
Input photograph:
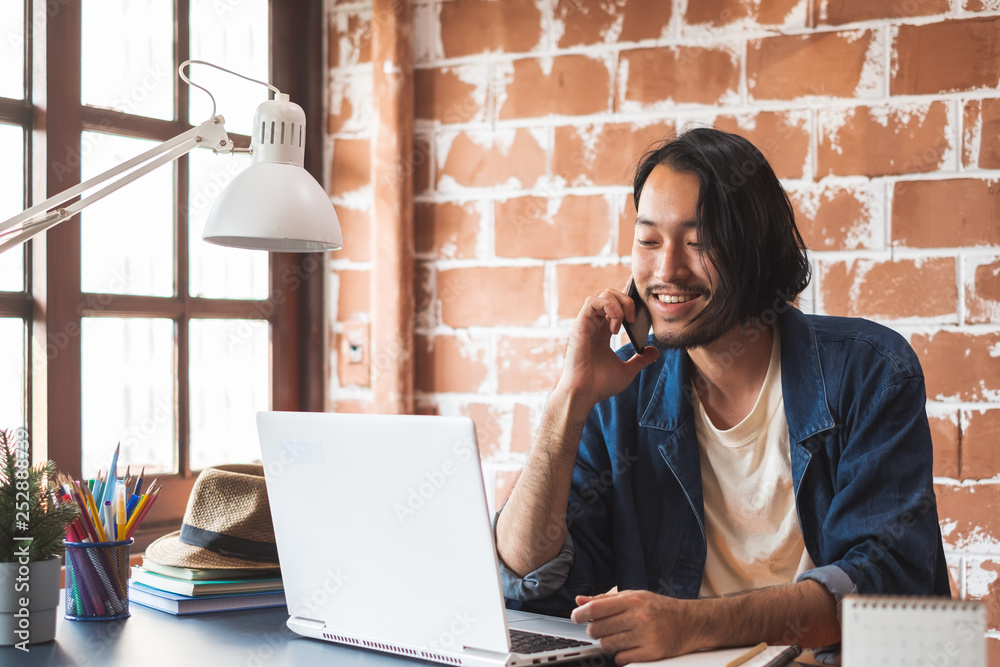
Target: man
(731, 484)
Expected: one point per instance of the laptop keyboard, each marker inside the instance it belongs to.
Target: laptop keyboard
(532, 642)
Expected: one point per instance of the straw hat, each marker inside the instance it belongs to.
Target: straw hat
(227, 524)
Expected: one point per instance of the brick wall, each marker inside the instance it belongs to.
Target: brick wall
(882, 118)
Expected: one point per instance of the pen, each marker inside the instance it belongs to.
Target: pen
(785, 657)
(739, 660)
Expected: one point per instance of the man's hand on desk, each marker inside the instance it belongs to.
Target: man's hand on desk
(641, 626)
(638, 626)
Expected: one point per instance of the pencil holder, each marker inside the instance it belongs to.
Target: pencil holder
(97, 580)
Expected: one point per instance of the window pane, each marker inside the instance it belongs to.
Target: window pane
(11, 201)
(127, 59)
(229, 385)
(12, 50)
(217, 272)
(232, 35)
(127, 238)
(128, 393)
(12, 390)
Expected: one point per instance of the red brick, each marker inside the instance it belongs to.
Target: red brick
(981, 138)
(489, 421)
(837, 12)
(724, 12)
(683, 75)
(351, 166)
(993, 650)
(523, 431)
(603, 154)
(447, 230)
(420, 163)
(541, 228)
(353, 294)
(783, 138)
(626, 226)
(425, 406)
(982, 582)
(492, 296)
(946, 214)
(476, 26)
(451, 94)
(945, 435)
(890, 290)
(960, 366)
(503, 484)
(351, 406)
(515, 155)
(450, 364)
(833, 218)
(560, 79)
(946, 56)
(981, 445)
(528, 364)
(882, 141)
(355, 225)
(982, 290)
(595, 23)
(575, 282)
(828, 64)
(975, 512)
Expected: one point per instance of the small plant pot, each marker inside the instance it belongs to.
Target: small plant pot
(29, 599)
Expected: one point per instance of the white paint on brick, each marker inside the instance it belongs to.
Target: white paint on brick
(503, 76)
(979, 577)
(870, 84)
(356, 91)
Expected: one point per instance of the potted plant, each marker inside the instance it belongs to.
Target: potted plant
(32, 529)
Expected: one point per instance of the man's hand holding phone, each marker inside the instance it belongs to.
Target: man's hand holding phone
(637, 330)
(593, 371)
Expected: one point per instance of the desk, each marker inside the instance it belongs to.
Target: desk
(248, 638)
(150, 638)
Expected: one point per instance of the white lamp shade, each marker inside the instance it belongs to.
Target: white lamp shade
(278, 207)
(275, 204)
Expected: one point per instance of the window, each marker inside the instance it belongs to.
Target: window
(122, 324)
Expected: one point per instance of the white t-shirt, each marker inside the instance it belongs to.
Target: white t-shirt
(754, 537)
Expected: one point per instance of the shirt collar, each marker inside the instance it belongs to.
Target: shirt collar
(806, 409)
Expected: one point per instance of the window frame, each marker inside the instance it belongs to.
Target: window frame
(53, 304)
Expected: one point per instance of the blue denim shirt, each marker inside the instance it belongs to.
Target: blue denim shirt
(861, 464)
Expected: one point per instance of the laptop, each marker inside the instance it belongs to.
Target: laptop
(385, 541)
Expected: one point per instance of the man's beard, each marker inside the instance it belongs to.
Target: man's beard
(701, 333)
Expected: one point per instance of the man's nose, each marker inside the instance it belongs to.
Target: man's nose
(673, 265)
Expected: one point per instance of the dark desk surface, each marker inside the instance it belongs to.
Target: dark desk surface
(150, 638)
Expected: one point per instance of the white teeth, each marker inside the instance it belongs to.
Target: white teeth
(666, 298)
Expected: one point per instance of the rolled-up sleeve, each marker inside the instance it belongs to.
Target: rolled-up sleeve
(542, 582)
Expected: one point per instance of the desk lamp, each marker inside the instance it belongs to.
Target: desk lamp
(274, 204)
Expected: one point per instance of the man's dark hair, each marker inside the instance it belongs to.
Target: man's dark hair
(745, 222)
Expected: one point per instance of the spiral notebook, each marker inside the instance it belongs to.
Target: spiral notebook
(907, 631)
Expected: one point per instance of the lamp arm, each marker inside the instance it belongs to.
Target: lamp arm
(38, 218)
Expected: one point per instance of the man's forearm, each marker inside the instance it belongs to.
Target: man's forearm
(532, 527)
(804, 613)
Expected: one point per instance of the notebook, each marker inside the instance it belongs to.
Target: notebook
(385, 542)
(904, 631)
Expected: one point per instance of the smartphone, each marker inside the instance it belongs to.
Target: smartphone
(638, 331)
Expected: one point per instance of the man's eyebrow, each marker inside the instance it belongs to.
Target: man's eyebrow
(640, 220)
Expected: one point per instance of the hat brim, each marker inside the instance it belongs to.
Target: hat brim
(169, 550)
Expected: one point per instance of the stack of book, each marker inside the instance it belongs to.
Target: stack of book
(180, 590)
